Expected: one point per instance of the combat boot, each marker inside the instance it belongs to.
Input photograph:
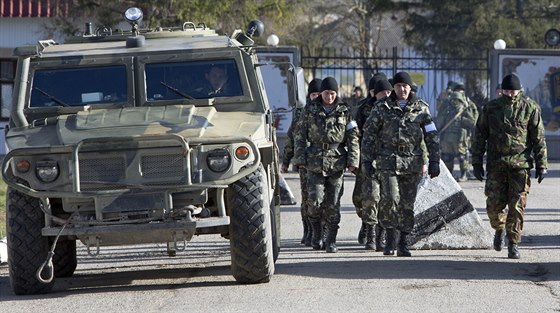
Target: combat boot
(499, 239)
(402, 249)
(325, 230)
(379, 238)
(370, 237)
(463, 177)
(306, 229)
(330, 240)
(389, 248)
(362, 234)
(513, 252)
(307, 241)
(317, 233)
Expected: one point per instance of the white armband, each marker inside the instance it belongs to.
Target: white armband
(430, 127)
(351, 125)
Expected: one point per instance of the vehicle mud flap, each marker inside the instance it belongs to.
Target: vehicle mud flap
(286, 195)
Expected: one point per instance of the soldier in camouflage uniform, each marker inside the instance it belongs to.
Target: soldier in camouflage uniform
(366, 190)
(355, 100)
(392, 150)
(313, 91)
(360, 116)
(444, 95)
(510, 131)
(454, 123)
(326, 143)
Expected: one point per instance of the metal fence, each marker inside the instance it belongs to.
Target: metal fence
(430, 74)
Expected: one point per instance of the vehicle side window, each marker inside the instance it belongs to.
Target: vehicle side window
(79, 86)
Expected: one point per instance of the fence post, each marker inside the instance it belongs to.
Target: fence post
(395, 60)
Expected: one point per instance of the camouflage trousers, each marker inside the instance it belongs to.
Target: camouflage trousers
(507, 188)
(365, 198)
(303, 185)
(398, 194)
(323, 196)
(451, 150)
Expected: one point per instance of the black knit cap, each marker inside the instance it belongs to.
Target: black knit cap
(314, 86)
(402, 77)
(376, 77)
(329, 83)
(381, 85)
(511, 82)
(459, 86)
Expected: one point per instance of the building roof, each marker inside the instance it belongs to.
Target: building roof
(33, 8)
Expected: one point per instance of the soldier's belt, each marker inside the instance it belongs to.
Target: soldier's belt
(405, 148)
(326, 146)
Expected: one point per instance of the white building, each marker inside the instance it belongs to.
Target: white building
(22, 22)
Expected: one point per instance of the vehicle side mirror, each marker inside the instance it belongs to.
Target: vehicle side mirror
(296, 87)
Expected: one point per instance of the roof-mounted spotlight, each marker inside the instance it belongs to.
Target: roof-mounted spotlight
(552, 37)
(134, 16)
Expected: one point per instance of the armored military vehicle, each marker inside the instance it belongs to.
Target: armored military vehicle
(143, 136)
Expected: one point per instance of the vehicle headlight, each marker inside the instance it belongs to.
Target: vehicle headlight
(218, 160)
(47, 171)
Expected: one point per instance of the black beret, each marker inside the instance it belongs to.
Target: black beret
(402, 77)
(329, 83)
(314, 86)
(381, 85)
(511, 82)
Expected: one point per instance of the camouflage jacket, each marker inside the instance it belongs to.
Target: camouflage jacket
(326, 142)
(509, 131)
(362, 113)
(289, 145)
(456, 118)
(393, 137)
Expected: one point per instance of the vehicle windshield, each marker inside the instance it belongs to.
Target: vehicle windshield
(192, 80)
(79, 86)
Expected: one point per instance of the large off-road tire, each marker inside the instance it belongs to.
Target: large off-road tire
(250, 229)
(27, 249)
(64, 259)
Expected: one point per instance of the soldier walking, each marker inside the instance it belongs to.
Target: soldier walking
(313, 91)
(392, 150)
(510, 131)
(325, 144)
(455, 122)
(366, 190)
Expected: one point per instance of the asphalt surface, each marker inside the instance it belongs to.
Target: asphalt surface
(145, 279)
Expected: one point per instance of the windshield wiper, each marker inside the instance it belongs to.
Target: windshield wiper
(177, 91)
(51, 97)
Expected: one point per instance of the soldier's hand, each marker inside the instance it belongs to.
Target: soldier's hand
(433, 169)
(368, 170)
(284, 168)
(353, 170)
(478, 171)
(540, 173)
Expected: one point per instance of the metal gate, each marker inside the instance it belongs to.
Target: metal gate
(431, 75)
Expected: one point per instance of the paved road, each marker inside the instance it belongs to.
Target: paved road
(144, 279)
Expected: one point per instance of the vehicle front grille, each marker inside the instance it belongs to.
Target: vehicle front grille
(123, 169)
